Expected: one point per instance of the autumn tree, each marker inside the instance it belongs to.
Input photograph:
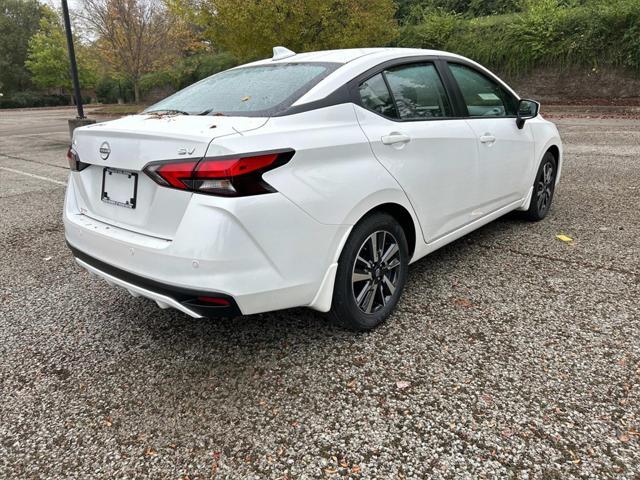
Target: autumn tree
(249, 29)
(18, 22)
(48, 58)
(135, 37)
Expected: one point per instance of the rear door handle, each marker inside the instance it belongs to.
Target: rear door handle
(486, 138)
(394, 138)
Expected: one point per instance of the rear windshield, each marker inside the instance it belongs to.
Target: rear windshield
(258, 91)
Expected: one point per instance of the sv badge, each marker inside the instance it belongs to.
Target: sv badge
(185, 151)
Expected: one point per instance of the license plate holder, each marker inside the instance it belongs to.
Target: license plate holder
(119, 187)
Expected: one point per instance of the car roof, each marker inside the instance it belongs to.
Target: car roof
(354, 61)
(347, 55)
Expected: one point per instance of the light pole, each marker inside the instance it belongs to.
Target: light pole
(80, 120)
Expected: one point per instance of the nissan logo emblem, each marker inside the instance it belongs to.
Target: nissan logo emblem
(105, 150)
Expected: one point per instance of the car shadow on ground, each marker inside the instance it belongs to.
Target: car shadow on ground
(303, 325)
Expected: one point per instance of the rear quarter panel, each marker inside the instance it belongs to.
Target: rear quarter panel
(333, 175)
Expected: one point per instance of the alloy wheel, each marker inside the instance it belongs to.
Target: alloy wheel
(544, 187)
(376, 271)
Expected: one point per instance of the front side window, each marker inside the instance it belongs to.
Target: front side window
(248, 91)
(482, 96)
(418, 92)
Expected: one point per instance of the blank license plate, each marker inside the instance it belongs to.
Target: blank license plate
(119, 187)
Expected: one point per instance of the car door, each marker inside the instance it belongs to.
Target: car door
(505, 152)
(408, 117)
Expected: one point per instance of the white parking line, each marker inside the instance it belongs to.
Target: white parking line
(58, 182)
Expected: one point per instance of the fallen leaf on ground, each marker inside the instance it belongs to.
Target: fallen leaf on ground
(463, 302)
(564, 238)
(506, 433)
(150, 452)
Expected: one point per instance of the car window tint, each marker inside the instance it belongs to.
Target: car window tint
(483, 97)
(418, 92)
(249, 91)
(375, 96)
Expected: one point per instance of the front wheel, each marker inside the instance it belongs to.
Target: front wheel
(372, 272)
(543, 188)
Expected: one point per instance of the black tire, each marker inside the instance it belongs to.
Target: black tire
(543, 189)
(353, 307)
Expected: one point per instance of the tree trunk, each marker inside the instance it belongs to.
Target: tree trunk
(136, 92)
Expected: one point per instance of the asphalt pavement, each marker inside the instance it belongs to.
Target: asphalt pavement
(512, 354)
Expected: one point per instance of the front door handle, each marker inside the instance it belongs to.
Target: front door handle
(394, 138)
(486, 138)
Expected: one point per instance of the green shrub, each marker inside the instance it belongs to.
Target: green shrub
(435, 30)
(110, 90)
(28, 99)
(409, 9)
(545, 33)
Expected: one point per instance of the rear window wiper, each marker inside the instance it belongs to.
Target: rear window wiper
(168, 111)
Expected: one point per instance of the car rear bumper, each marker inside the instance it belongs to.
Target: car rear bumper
(263, 252)
(166, 296)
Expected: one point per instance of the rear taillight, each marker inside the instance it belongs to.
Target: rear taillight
(227, 176)
(74, 161)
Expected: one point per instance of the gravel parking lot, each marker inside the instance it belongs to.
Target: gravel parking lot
(512, 354)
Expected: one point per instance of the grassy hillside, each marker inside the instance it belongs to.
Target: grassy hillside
(546, 33)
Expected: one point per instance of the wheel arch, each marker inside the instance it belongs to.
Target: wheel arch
(555, 151)
(555, 148)
(403, 217)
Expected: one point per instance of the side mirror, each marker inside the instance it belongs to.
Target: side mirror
(527, 109)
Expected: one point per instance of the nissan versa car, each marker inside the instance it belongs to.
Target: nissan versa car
(308, 179)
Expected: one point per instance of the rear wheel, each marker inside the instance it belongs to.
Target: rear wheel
(543, 188)
(372, 272)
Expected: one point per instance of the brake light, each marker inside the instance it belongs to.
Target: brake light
(74, 161)
(232, 177)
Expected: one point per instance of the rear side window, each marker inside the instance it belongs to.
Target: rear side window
(418, 92)
(375, 96)
(407, 92)
(249, 91)
(482, 96)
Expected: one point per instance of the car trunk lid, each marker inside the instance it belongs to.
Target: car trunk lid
(117, 151)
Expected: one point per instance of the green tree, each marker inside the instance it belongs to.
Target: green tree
(48, 58)
(250, 31)
(19, 20)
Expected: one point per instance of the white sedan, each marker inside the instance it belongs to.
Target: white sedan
(309, 179)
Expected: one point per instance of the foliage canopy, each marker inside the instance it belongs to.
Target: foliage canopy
(135, 36)
(19, 20)
(546, 33)
(250, 30)
(48, 59)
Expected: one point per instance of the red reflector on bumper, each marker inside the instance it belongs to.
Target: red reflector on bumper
(215, 301)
